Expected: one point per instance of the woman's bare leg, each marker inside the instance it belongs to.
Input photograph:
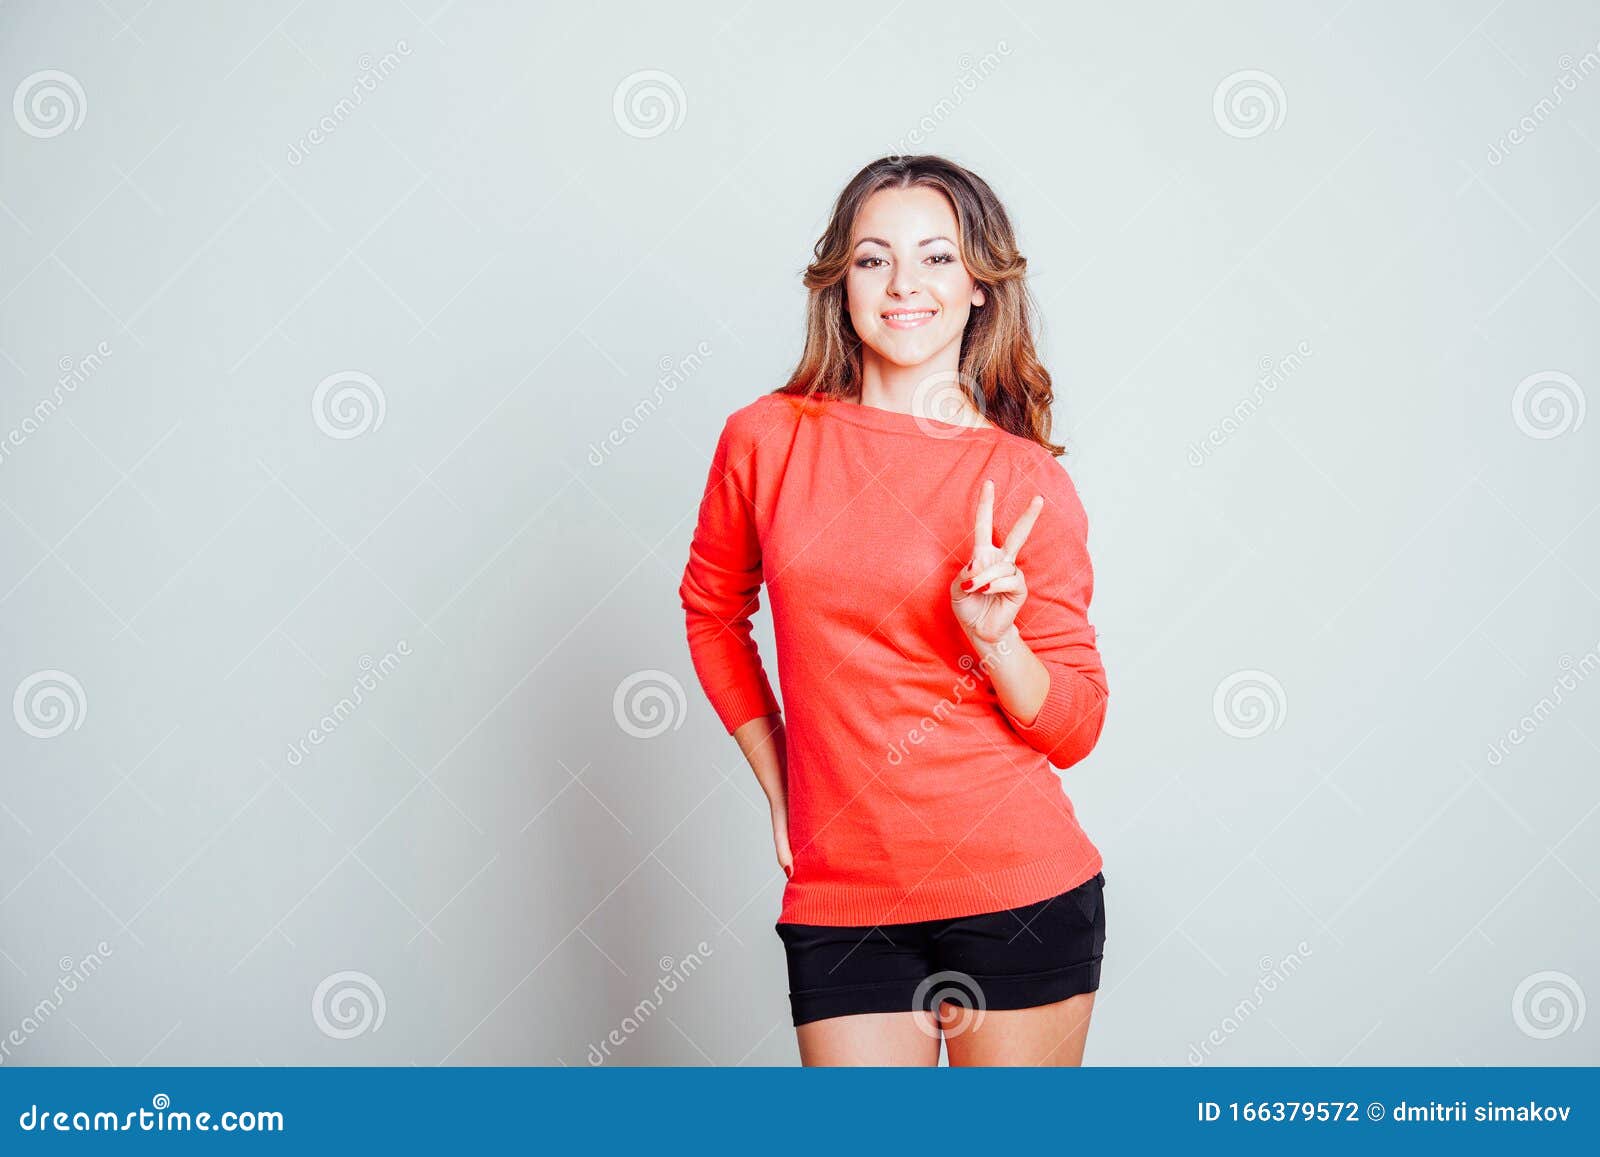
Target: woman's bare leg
(908, 1038)
(1051, 1034)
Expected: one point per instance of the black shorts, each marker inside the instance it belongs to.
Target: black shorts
(1035, 954)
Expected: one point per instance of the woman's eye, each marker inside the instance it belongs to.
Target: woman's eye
(937, 258)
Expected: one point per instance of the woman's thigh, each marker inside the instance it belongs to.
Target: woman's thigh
(1047, 1034)
(908, 1038)
(1033, 972)
(1020, 986)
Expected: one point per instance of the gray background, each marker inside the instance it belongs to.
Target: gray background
(487, 840)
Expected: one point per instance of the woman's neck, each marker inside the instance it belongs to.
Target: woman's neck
(932, 389)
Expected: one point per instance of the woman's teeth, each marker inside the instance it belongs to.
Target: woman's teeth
(906, 319)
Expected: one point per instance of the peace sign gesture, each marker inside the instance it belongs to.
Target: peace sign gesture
(989, 591)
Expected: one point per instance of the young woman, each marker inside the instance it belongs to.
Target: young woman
(926, 560)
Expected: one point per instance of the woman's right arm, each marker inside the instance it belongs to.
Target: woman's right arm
(721, 587)
(720, 591)
(763, 742)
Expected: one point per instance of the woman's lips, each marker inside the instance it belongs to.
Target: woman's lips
(909, 318)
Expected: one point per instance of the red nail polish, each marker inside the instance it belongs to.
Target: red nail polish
(788, 871)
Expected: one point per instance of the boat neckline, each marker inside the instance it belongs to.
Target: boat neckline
(878, 418)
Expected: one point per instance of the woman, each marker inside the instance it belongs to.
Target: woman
(931, 674)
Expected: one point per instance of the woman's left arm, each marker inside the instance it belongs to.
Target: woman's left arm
(1046, 669)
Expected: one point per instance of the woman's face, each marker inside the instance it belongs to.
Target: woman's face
(908, 292)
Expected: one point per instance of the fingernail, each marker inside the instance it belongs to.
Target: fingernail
(788, 871)
(967, 585)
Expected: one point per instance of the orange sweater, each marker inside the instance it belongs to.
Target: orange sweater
(913, 793)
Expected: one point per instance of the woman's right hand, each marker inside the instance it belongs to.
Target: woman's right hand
(778, 798)
(780, 836)
(765, 744)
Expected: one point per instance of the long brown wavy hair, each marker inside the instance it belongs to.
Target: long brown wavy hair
(997, 352)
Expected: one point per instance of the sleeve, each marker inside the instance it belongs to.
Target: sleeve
(1054, 621)
(721, 585)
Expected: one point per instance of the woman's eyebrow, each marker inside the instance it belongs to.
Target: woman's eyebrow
(920, 244)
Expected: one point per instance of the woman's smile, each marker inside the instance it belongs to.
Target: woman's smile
(909, 318)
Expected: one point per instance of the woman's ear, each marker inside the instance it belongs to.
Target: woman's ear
(977, 296)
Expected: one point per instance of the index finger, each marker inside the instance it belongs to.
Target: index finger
(1023, 526)
(983, 528)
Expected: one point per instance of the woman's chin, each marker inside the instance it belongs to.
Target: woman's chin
(905, 354)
